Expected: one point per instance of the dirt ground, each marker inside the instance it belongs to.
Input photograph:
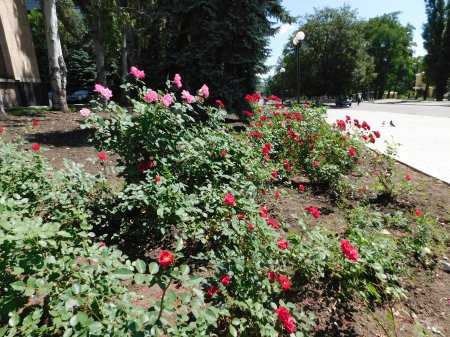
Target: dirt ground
(426, 312)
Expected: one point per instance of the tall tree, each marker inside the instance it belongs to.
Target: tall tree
(390, 44)
(219, 42)
(434, 34)
(57, 66)
(333, 56)
(103, 18)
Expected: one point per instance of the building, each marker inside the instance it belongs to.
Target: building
(420, 86)
(20, 82)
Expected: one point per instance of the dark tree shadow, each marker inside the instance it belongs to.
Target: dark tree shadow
(72, 138)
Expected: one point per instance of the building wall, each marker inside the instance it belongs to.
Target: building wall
(16, 42)
(19, 73)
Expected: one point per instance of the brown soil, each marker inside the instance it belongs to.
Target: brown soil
(426, 312)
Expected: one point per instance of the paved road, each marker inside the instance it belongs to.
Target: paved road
(421, 130)
(433, 109)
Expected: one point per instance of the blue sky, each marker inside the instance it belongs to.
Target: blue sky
(412, 11)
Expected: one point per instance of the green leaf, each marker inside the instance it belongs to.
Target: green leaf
(153, 268)
(95, 328)
(140, 266)
(123, 273)
(233, 331)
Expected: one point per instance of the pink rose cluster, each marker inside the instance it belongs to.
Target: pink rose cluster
(104, 91)
(139, 74)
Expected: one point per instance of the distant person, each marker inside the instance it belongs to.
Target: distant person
(358, 98)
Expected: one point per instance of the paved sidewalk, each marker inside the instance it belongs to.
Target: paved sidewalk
(424, 140)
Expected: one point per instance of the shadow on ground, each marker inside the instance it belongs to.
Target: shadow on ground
(72, 138)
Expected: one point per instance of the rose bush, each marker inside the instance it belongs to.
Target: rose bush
(215, 259)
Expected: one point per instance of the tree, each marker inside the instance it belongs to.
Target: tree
(103, 18)
(434, 34)
(57, 66)
(390, 45)
(333, 56)
(219, 42)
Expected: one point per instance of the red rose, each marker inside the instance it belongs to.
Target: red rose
(219, 104)
(301, 188)
(225, 280)
(286, 319)
(256, 134)
(157, 179)
(341, 125)
(350, 252)
(408, 177)
(377, 134)
(287, 165)
(352, 152)
(248, 114)
(314, 211)
(35, 123)
(272, 276)
(418, 212)
(264, 212)
(277, 195)
(284, 282)
(275, 174)
(102, 155)
(35, 147)
(266, 148)
(212, 291)
(282, 244)
(365, 126)
(273, 223)
(223, 153)
(250, 227)
(229, 200)
(165, 258)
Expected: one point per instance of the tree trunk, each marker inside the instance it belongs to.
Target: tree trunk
(57, 66)
(124, 54)
(2, 107)
(99, 45)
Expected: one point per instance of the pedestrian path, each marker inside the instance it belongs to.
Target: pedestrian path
(424, 141)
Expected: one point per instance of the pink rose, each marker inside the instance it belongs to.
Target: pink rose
(167, 100)
(85, 112)
(204, 91)
(105, 92)
(187, 96)
(177, 81)
(139, 74)
(151, 96)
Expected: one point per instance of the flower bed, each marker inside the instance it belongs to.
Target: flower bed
(193, 197)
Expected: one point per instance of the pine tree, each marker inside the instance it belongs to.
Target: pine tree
(219, 42)
(434, 33)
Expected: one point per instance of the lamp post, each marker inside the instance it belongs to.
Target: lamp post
(300, 36)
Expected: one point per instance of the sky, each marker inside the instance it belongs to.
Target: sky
(412, 12)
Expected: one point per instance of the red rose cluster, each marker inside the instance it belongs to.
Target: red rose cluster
(350, 252)
(229, 200)
(314, 211)
(283, 280)
(146, 165)
(253, 98)
(286, 319)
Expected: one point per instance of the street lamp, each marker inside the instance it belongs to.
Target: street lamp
(300, 36)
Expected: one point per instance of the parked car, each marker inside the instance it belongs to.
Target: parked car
(79, 96)
(343, 102)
